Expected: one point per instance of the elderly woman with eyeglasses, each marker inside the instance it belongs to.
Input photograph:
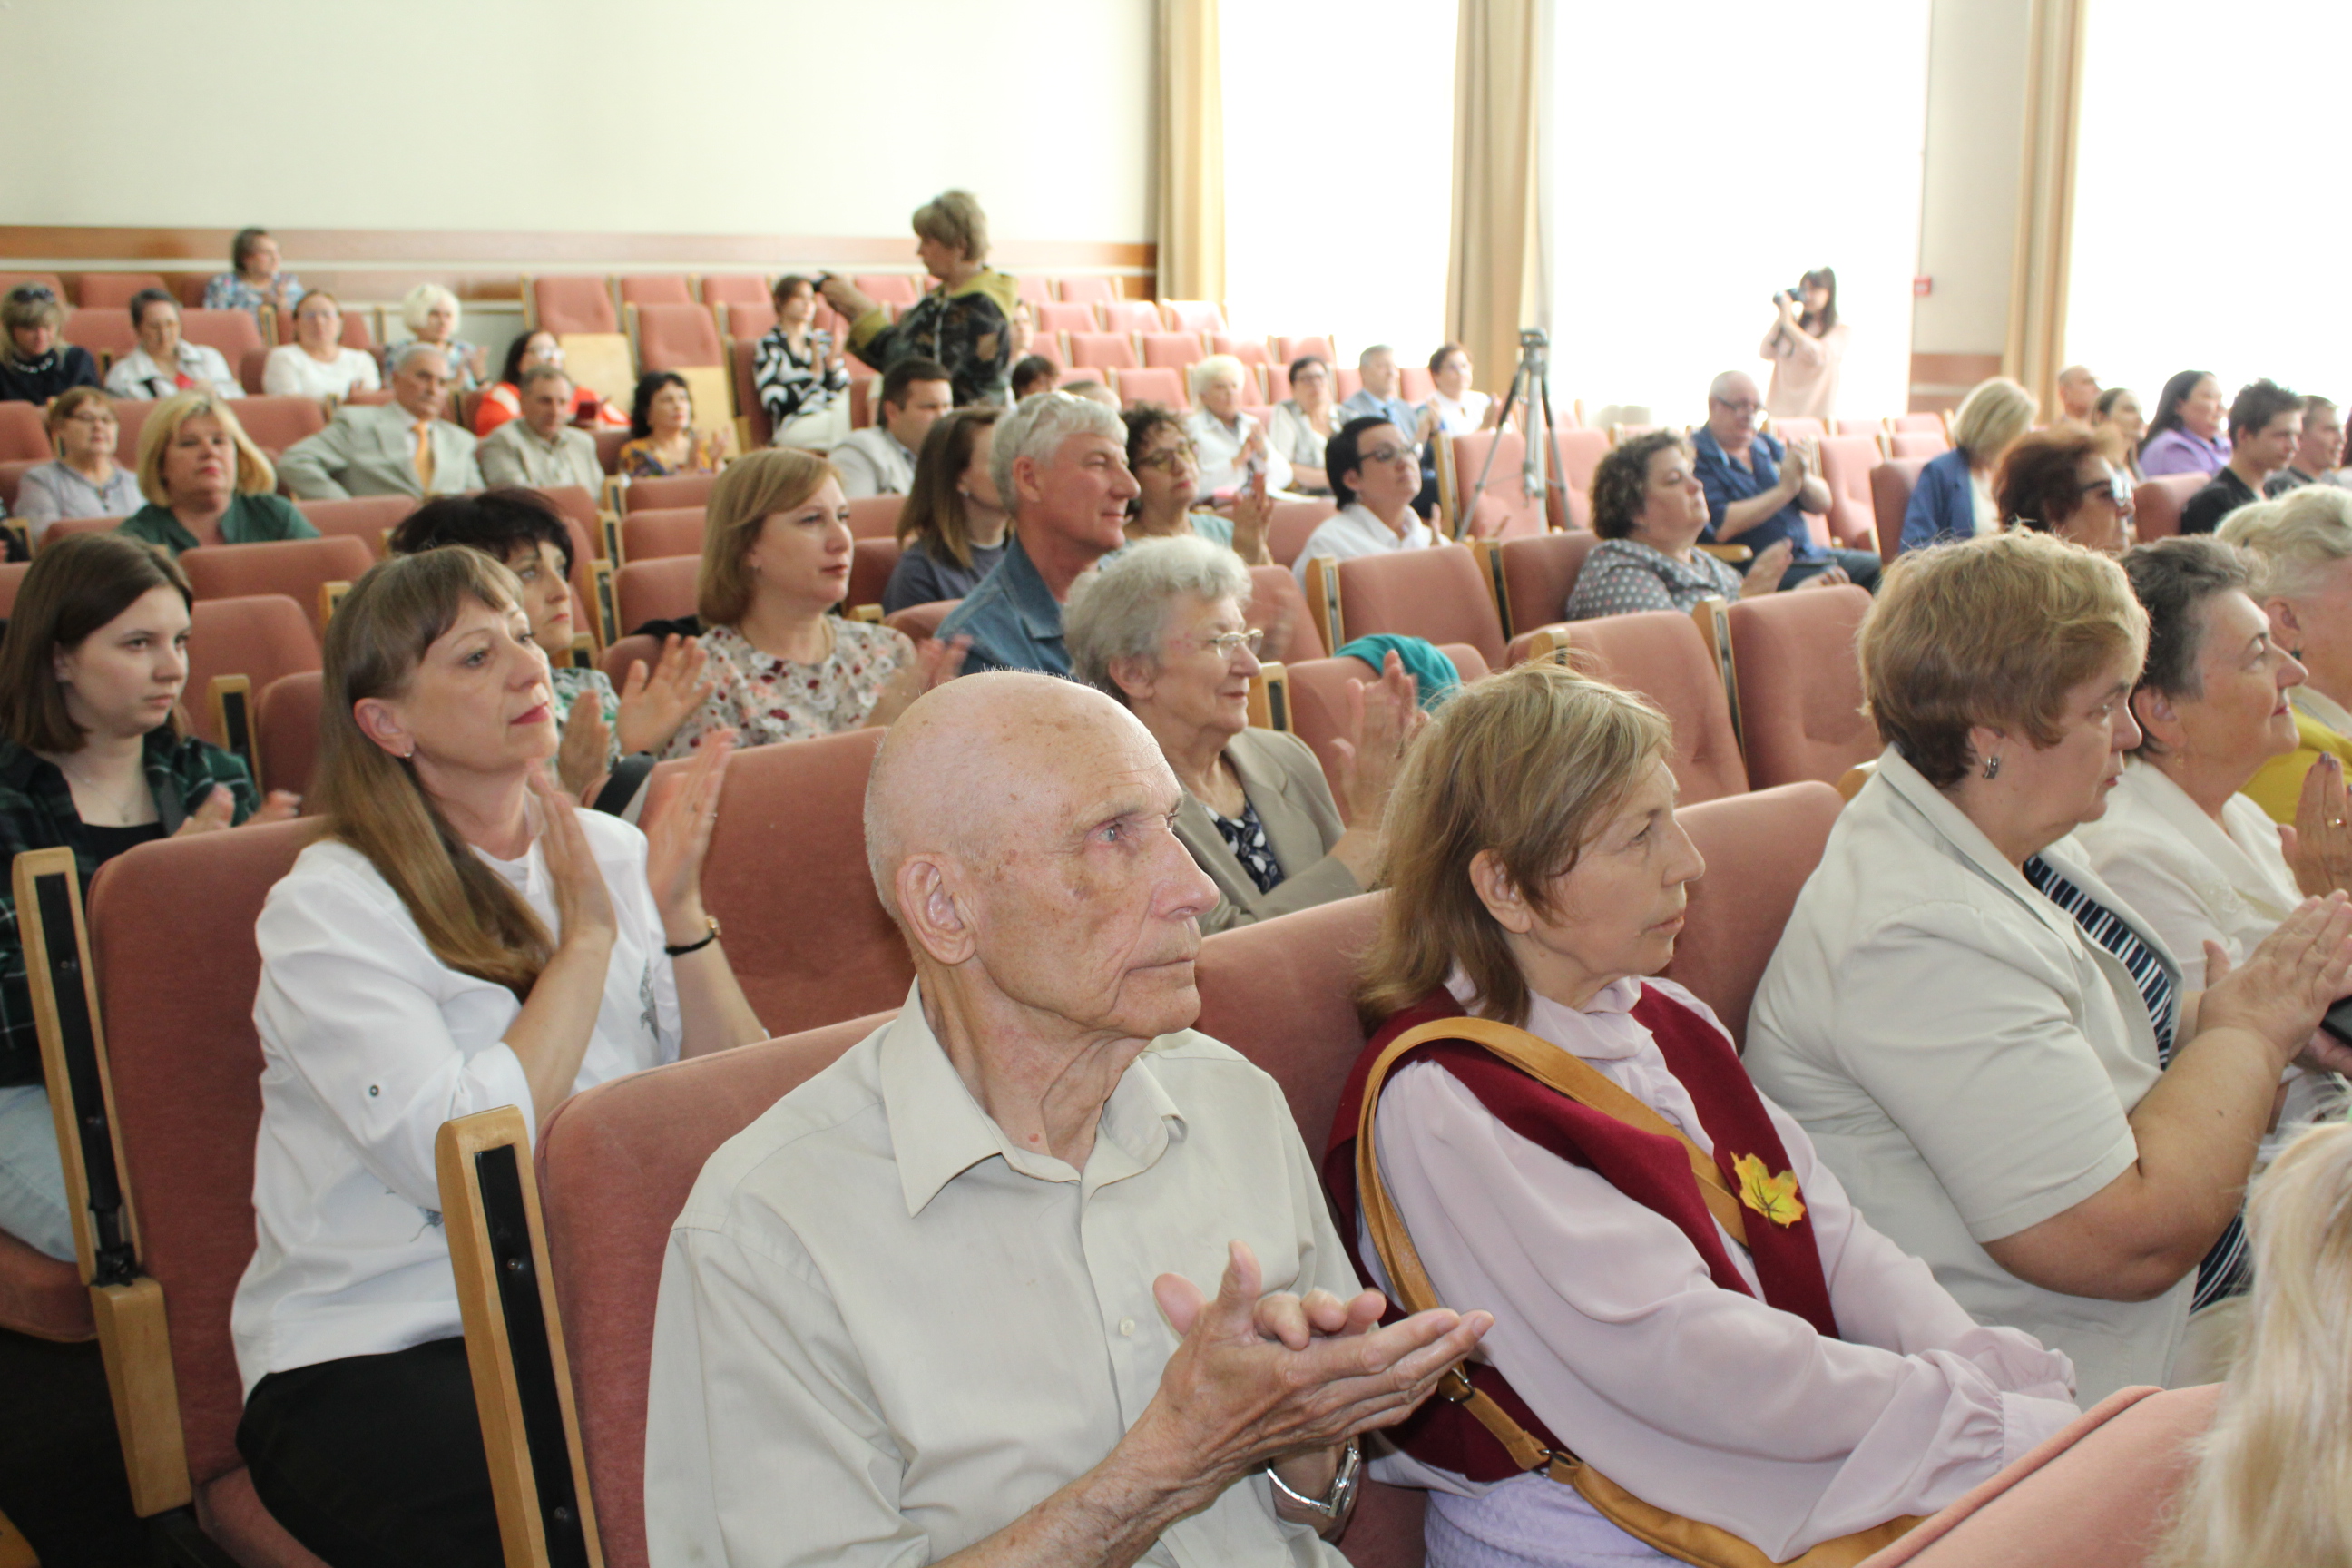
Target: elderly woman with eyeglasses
(1162, 626)
(1167, 468)
(1232, 445)
(84, 480)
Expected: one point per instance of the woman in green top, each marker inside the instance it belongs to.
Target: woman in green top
(206, 481)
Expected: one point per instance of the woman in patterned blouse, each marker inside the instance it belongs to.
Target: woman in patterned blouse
(666, 441)
(775, 564)
(1648, 507)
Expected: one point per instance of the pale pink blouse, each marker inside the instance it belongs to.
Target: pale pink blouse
(1699, 1399)
(766, 699)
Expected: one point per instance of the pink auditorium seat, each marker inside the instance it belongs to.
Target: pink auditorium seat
(1278, 608)
(1925, 419)
(277, 423)
(49, 280)
(1798, 428)
(1130, 316)
(1873, 428)
(1538, 575)
(286, 728)
(658, 590)
(735, 288)
(71, 525)
(1195, 316)
(563, 303)
(871, 562)
(657, 288)
(2157, 504)
(1437, 594)
(12, 578)
(1249, 351)
(1846, 463)
(670, 490)
(1284, 350)
(1800, 685)
(262, 639)
(1277, 378)
(1103, 351)
(1918, 444)
(920, 622)
(12, 476)
(1092, 289)
(677, 336)
(1035, 289)
(742, 376)
(875, 517)
(104, 330)
(1058, 317)
(1164, 387)
(1505, 510)
(661, 533)
(749, 320)
(235, 333)
(23, 434)
(113, 290)
(614, 660)
(610, 439)
(1318, 700)
(1172, 350)
(177, 999)
(1415, 384)
(296, 568)
(1659, 654)
(1294, 520)
(364, 518)
(1891, 484)
(1760, 848)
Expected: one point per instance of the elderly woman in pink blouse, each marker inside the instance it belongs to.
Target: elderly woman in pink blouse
(1686, 1305)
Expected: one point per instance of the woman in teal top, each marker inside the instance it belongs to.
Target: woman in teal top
(1168, 473)
(206, 481)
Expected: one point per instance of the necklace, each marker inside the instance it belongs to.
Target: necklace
(124, 812)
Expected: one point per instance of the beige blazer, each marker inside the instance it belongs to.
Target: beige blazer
(1282, 780)
(368, 450)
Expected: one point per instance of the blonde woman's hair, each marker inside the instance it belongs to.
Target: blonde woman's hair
(254, 474)
(419, 303)
(1992, 416)
(2273, 1484)
(2296, 538)
(752, 488)
(953, 218)
(470, 917)
(1528, 765)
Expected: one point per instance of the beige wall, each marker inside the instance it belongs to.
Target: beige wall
(1967, 221)
(683, 116)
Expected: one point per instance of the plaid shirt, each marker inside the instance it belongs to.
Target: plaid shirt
(36, 812)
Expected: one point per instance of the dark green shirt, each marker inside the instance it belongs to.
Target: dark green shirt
(250, 519)
(36, 812)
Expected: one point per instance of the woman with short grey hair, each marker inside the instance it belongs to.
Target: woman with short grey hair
(1162, 626)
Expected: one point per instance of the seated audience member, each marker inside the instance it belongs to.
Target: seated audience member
(1460, 410)
(879, 461)
(1806, 345)
(1382, 393)
(85, 481)
(404, 447)
(2058, 481)
(664, 440)
(34, 366)
(1166, 463)
(521, 529)
(164, 363)
(1954, 496)
(430, 314)
(1060, 467)
(1992, 1052)
(206, 481)
(2301, 549)
(2265, 429)
(2318, 452)
(802, 380)
(1759, 490)
(2185, 436)
(1303, 423)
(952, 532)
(2284, 1404)
(462, 938)
(254, 280)
(1539, 880)
(92, 758)
(1043, 1138)
(1023, 333)
(503, 401)
(318, 363)
(1093, 392)
(1649, 509)
(1375, 474)
(786, 664)
(1232, 446)
(543, 447)
(2120, 427)
(2078, 394)
(963, 324)
(1162, 627)
(1034, 374)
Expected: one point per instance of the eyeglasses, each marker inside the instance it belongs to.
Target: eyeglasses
(34, 294)
(2117, 489)
(1747, 406)
(1168, 456)
(1387, 454)
(91, 418)
(1227, 644)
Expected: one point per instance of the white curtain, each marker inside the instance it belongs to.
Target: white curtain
(1704, 158)
(1339, 149)
(2207, 224)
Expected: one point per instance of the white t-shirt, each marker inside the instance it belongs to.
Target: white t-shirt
(368, 1044)
(290, 371)
(1354, 531)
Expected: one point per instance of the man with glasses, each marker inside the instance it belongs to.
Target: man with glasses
(404, 447)
(1759, 490)
(1375, 473)
(1382, 396)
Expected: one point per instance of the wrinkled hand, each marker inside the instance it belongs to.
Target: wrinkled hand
(2319, 845)
(218, 810)
(1256, 1378)
(654, 704)
(844, 297)
(2287, 982)
(278, 806)
(583, 908)
(1426, 426)
(1829, 576)
(1765, 572)
(936, 662)
(586, 742)
(1381, 719)
(1795, 468)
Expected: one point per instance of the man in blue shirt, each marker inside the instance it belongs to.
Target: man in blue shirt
(1060, 463)
(1757, 491)
(1383, 397)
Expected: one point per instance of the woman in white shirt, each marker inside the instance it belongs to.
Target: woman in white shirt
(1786, 1376)
(1375, 474)
(1302, 422)
(1460, 410)
(164, 363)
(1997, 1056)
(317, 363)
(459, 938)
(1232, 445)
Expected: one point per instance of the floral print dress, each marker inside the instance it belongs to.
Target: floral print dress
(766, 699)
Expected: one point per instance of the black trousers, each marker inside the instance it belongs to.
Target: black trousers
(376, 1461)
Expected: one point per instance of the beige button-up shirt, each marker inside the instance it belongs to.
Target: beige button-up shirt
(885, 1332)
(515, 454)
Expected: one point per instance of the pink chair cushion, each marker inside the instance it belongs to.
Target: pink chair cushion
(1282, 993)
(660, 534)
(1278, 608)
(667, 490)
(1800, 685)
(262, 639)
(1294, 520)
(1437, 594)
(1540, 573)
(1658, 654)
(1760, 848)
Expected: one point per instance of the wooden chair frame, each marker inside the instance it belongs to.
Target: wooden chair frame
(1323, 601)
(231, 700)
(604, 615)
(1269, 699)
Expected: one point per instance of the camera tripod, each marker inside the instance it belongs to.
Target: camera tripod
(1530, 390)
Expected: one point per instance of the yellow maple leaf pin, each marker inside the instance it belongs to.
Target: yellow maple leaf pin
(1774, 1198)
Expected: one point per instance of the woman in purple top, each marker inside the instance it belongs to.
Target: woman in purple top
(2185, 436)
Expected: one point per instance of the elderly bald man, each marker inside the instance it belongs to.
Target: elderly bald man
(1060, 464)
(399, 449)
(1759, 490)
(2078, 394)
(943, 1302)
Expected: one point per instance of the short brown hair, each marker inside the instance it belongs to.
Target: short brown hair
(2037, 485)
(953, 218)
(73, 586)
(254, 475)
(1526, 764)
(68, 403)
(1621, 484)
(753, 488)
(1994, 630)
(934, 511)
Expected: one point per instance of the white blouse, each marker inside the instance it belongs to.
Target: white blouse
(136, 375)
(368, 1044)
(1697, 1399)
(290, 371)
(1355, 530)
(1218, 447)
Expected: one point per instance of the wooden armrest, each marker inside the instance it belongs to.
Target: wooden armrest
(1269, 699)
(1735, 553)
(1323, 601)
(870, 614)
(230, 696)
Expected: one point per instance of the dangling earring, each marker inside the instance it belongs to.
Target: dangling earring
(1992, 767)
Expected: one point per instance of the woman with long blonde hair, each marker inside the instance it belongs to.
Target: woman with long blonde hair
(459, 938)
(2274, 1484)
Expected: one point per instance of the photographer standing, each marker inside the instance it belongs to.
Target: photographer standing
(1806, 345)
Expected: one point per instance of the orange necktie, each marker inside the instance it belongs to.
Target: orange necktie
(425, 456)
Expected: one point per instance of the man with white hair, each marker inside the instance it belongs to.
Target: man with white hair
(944, 1301)
(1060, 465)
(1760, 489)
(399, 449)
